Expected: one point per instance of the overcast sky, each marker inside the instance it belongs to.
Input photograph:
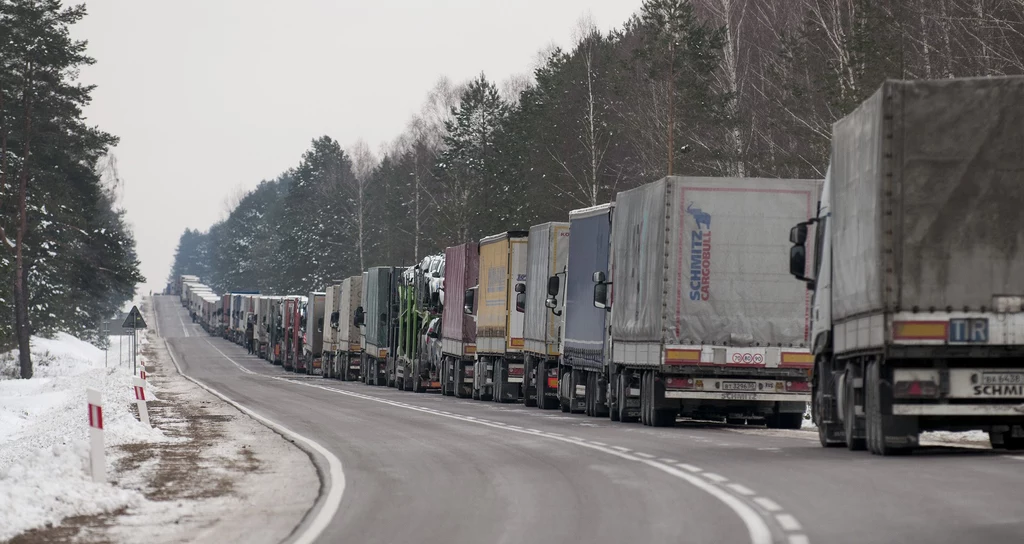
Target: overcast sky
(209, 96)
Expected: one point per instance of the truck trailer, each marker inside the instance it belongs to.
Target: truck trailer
(350, 349)
(702, 324)
(332, 328)
(917, 267)
(376, 316)
(498, 370)
(547, 255)
(458, 319)
(584, 334)
(312, 333)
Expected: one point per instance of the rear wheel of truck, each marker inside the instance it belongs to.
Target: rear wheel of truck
(623, 401)
(576, 378)
(874, 421)
(531, 380)
(591, 404)
(613, 400)
(853, 443)
(826, 431)
(563, 398)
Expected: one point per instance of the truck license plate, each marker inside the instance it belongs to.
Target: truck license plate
(1002, 378)
(968, 331)
(739, 386)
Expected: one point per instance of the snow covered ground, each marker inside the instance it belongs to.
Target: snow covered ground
(44, 432)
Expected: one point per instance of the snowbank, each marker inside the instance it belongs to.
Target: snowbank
(44, 433)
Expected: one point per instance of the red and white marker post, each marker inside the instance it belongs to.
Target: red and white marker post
(140, 400)
(97, 459)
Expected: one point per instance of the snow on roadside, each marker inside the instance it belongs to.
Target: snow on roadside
(44, 433)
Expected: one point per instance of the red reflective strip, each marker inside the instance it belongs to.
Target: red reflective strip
(96, 416)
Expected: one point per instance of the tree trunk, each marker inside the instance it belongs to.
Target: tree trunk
(21, 320)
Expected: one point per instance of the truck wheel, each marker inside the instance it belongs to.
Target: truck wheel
(853, 443)
(531, 379)
(645, 416)
(613, 400)
(624, 416)
(873, 414)
(563, 395)
(826, 431)
(591, 389)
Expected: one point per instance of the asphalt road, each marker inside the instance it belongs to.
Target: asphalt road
(421, 468)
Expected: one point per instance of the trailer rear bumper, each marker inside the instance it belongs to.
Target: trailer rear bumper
(766, 397)
(1008, 410)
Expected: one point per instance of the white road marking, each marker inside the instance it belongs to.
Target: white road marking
(715, 477)
(691, 468)
(788, 522)
(180, 320)
(799, 539)
(668, 461)
(767, 504)
(768, 449)
(1017, 457)
(596, 443)
(756, 526)
(334, 478)
(741, 489)
(644, 455)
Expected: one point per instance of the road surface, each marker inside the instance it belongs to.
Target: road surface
(422, 468)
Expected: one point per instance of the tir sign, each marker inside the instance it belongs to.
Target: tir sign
(968, 331)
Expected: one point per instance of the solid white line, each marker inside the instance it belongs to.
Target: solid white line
(644, 455)
(741, 489)
(691, 468)
(767, 504)
(596, 443)
(620, 448)
(180, 320)
(715, 477)
(756, 527)
(799, 539)
(330, 502)
(788, 522)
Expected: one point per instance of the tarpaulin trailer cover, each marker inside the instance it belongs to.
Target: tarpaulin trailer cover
(351, 293)
(378, 292)
(705, 261)
(546, 255)
(461, 272)
(585, 324)
(928, 193)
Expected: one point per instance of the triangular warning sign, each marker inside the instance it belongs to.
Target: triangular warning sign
(134, 320)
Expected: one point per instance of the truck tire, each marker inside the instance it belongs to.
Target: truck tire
(591, 409)
(624, 416)
(853, 443)
(576, 376)
(645, 416)
(874, 421)
(563, 399)
(826, 431)
(613, 400)
(531, 378)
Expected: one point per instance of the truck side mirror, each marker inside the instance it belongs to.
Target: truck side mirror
(599, 277)
(520, 288)
(601, 295)
(520, 301)
(435, 299)
(320, 325)
(798, 264)
(798, 234)
(359, 317)
(553, 286)
(335, 318)
(469, 301)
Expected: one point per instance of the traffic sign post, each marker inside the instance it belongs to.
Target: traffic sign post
(134, 322)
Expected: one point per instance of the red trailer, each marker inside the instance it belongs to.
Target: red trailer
(458, 327)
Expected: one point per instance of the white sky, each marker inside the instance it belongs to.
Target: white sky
(209, 96)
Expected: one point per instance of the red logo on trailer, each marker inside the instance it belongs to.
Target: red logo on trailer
(96, 416)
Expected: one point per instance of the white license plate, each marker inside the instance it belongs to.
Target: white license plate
(1002, 378)
(739, 386)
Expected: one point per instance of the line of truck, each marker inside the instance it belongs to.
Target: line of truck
(674, 300)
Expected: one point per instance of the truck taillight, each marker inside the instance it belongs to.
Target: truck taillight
(915, 389)
(798, 387)
(679, 383)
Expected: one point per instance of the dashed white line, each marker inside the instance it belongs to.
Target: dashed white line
(644, 455)
(788, 522)
(767, 504)
(620, 448)
(715, 477)
(741, 489)
(799, 539)
(691, 468)
(668, 461)
(1017, 457)
(596, 443)
(577, 438)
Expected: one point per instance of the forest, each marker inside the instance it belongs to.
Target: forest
(67, 256)
(684, 87)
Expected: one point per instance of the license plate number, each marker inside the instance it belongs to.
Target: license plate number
(968, 331)
(739, 386)
(1002, 378)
